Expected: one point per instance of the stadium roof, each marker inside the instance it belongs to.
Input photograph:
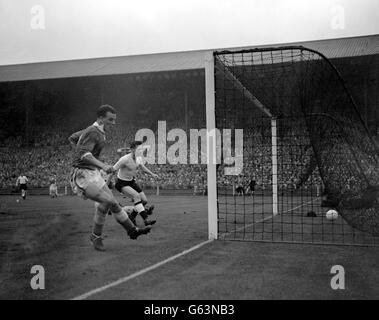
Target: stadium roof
(332, 48)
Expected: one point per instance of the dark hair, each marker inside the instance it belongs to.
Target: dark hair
(135, 144)
(102, 111)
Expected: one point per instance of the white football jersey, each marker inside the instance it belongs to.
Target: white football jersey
(127, 167)
(22, 180)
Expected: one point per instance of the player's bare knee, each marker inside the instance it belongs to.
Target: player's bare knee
(101, 210)
(99, 217)
(119, 214)
(99, 205)
(105, 207)
(114, 206)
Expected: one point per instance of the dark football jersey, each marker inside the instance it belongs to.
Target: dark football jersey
(92, 140)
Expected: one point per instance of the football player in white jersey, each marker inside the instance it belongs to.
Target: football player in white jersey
(126, 168)
(53, 189)
(22, 183)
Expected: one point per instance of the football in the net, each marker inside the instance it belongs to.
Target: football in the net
(331, 214)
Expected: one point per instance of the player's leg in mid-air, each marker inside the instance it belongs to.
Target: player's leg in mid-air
(107, 202)
(148, 208)
(139, 208)
(132, 212)
(132, 189)
(93, 187)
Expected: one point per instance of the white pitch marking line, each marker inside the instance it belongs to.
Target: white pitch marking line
(141, 272)
(161, 263)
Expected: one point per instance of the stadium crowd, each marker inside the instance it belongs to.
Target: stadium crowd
(49, 157)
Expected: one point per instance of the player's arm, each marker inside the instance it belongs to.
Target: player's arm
(143, 167)
(119, 164)
(17, 181)
(87, 144)
(90, 159)
(74, 138)
(116, 167)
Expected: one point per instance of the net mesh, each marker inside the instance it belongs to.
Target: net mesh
(326, 158)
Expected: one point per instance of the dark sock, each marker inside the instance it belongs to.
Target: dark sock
(128, 225)
(133, 215)
(143, 214)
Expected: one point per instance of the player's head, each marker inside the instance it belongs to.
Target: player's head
(106, 115)
(123, 151)
(134, 146)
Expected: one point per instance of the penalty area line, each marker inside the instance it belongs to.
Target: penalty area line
(141, 272)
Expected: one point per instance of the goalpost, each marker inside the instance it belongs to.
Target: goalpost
(211, 64)
(211, 145)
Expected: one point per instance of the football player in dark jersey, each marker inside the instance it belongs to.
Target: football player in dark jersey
(87, 181)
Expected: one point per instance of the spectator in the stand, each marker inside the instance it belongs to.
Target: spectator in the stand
(51, 157)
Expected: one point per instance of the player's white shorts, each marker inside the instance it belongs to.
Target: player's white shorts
(128, 209)
(82, 178)
(53, 190)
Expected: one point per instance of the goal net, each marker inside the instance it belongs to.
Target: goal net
(306, 150)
